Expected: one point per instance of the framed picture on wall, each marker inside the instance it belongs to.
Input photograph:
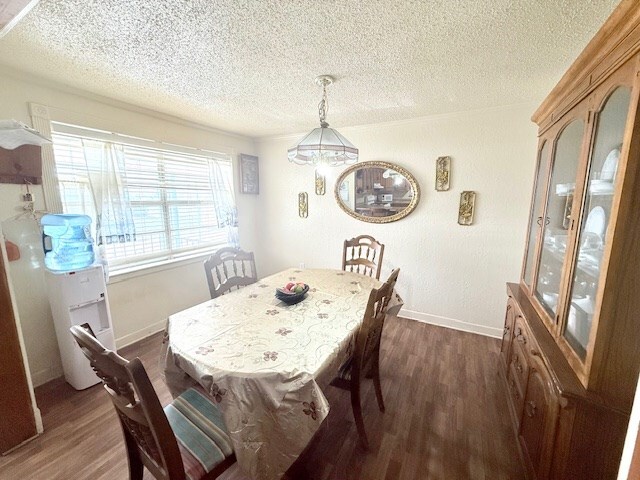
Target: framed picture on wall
(249, 174)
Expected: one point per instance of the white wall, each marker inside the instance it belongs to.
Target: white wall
(450, 274)
(139, 303)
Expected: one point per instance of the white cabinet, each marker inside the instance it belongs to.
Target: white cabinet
(77, 298)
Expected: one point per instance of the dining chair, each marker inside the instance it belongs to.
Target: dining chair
(365, 360)
(363, 255)
(185, 441)
(229, 268)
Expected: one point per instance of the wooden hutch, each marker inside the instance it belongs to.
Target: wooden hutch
(570, 353)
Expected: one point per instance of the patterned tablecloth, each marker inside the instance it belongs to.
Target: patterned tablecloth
(266, 362)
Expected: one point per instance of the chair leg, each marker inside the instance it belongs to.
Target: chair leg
(377, 386)
(357, 415)
(136, 467)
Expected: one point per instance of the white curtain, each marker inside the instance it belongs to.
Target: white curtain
(225, 203)
(114, 219)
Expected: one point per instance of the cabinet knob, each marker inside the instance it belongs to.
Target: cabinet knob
(519, 368)
(530, 408)
(506, 330)
(521, 338)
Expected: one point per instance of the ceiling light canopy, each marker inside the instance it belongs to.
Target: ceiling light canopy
(323, 146)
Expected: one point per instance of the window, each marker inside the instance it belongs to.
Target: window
(169, 203)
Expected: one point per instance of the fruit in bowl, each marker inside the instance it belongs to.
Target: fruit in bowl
(292, 288)
(292, 293)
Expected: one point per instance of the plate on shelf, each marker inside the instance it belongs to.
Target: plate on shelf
(608, 172)
(596, 221)
(565, 188)
(600, 187)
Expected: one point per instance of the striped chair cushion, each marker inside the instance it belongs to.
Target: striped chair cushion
(200, 431)
(345, 370)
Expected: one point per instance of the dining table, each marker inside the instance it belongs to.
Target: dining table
(266, 363)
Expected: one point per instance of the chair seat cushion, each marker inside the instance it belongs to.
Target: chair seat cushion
(200, 432)
(345, 370)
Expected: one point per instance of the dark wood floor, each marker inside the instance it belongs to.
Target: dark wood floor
(446, 418)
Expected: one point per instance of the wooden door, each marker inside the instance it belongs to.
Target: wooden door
(18, 420)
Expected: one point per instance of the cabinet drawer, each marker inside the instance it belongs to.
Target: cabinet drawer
(521, 335)
(519, 366)
(507, 334)
(517, 395)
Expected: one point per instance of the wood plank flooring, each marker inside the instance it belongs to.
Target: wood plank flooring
(446, 419)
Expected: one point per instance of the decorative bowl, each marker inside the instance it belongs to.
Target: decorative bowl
(291, 298)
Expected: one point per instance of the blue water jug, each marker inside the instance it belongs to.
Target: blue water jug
(67, 242)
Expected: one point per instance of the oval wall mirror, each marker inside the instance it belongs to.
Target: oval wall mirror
(377, 192)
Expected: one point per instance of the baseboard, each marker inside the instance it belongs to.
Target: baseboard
(140, 334)
(55, 371)
(46, 375)
(452, 323)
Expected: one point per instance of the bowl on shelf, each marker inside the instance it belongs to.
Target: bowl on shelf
(291, 298)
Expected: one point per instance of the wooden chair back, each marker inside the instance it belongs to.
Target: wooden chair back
(363, 255)
(229, 268)
(148, 436)
(367, 345)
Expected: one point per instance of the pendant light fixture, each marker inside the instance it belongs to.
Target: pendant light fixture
(323, 146)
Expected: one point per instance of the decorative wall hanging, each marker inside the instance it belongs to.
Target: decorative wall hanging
(303, 204)
(443, 173)
(323, 146)
(467, 206)
(20, 155)
(22, 165)
(321, 183)
(249, 174)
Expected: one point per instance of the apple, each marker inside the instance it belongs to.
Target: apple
(289, 286)
(299, 287)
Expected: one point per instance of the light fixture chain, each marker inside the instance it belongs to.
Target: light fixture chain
(323, 107)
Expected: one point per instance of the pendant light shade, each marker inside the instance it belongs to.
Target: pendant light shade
(323, 146)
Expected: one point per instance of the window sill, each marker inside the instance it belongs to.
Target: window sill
(124, 274)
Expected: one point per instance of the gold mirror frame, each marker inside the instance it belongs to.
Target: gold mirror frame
(386, 165)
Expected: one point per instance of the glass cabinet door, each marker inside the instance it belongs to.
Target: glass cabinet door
(595, 218)
(537, 211)
(557, 220)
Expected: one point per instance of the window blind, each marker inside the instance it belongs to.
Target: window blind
(173, 197)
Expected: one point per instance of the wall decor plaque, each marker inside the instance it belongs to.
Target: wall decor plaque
(303, 204)
(443, 173)
(467, 206)
(321, 183)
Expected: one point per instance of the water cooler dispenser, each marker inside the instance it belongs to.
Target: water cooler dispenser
(77, 292)
(77, 298)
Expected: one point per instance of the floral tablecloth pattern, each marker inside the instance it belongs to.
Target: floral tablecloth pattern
(266, 362)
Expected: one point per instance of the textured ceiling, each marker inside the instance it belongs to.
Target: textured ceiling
(248, 66)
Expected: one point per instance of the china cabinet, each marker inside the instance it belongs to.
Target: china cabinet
(570, 353)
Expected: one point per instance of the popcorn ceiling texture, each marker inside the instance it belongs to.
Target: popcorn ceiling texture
(247, 66)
